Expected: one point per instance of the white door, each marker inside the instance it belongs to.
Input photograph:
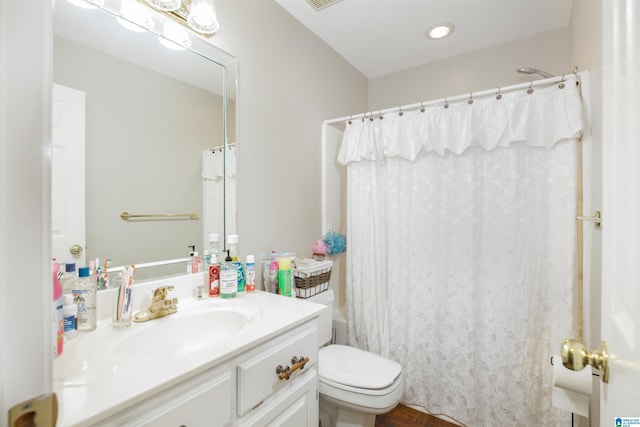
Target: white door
(67, 175)
(620, 326)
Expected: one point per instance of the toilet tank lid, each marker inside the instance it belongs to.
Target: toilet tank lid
(356, 368)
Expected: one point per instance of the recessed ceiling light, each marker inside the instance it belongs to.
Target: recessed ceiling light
(439, 31)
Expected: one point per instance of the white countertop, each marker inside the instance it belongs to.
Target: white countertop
(92, 385)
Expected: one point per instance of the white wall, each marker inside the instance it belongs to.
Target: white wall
(475, 71)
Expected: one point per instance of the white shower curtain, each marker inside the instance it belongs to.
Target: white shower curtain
(461, 261)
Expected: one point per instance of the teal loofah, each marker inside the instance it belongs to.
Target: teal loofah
(336, 243)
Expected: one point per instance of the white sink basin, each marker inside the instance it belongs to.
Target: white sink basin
(173, 336)
(195, 327)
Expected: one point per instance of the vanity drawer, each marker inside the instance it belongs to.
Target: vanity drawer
(257, 377)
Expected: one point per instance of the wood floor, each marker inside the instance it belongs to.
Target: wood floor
(403, 416)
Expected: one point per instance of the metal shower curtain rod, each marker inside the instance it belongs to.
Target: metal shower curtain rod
(468, 97)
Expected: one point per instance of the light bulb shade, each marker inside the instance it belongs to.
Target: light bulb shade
(202, 16)
(135, 17)
(174, 37)
(166, 5)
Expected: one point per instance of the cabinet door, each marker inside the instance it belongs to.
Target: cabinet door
(295, 414)
(206, 404)
(294, 406)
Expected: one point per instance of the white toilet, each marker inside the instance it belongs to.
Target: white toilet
(355, 385)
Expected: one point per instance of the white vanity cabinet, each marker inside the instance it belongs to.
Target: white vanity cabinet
(148, 375)
(243, 391)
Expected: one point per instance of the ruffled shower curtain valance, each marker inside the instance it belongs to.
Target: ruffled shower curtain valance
(540, 119)
(462, 249)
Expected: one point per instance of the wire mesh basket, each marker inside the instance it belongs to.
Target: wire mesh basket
(312, 278)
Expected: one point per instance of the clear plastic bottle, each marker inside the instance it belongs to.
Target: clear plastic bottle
(228, 278)
(84, 295)
(69, 278)
(214, 244)
(273, 277)
(213, 250)
(195, 262)
(251, 273)
(234, 253)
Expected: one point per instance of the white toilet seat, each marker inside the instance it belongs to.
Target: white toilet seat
(353, 367)
(343, 368)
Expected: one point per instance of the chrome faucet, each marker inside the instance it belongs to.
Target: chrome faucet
(160, 305)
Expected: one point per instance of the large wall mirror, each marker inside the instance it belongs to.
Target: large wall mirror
(144, 124)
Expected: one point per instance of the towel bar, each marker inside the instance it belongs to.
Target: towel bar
(126, 216)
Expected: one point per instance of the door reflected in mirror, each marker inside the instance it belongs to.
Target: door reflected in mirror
(152, 122)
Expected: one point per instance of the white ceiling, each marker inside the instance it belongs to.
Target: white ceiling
(379, 37)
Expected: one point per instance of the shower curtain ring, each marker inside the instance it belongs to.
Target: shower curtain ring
(400, 112)
(371, 117)
(350, 118)
(530, 90)
(498, 94)
(561, 85)
(381, 116)
(470, 100)
(421, 107)
(446, 104)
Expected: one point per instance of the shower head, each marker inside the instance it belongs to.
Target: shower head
(534, 71)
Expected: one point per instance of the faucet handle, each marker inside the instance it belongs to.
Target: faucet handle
(161, 292)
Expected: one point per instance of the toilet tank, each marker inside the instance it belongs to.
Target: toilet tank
(326, 316)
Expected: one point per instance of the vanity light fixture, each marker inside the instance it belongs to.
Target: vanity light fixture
(199, 15)
(134, 17)
(165, 5)
(439, 31)
(174, 36)
(87, 4)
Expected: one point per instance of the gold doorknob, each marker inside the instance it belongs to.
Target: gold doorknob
(75, 250)
(575, 357)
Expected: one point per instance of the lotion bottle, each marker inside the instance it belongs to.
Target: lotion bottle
(234, 253)
(214, 276)
(70, 314)
(194, 265)
(228, 278)
(251, 273)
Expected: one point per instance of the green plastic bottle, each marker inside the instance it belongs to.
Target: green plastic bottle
(284, 276)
